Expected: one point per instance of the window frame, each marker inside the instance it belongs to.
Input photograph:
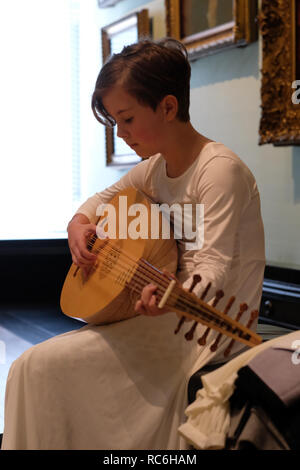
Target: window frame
(142, 22)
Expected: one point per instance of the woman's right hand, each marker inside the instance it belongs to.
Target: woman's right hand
(79, 231)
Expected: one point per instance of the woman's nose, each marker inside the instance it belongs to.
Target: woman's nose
(121, 132)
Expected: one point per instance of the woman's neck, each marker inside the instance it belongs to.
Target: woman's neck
(184, 146)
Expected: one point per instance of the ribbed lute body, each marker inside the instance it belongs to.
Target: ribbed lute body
(109, 293)
(127, 262)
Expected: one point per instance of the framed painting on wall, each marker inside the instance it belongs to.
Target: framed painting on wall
(209, 26)
(280, 95)
(114, 37)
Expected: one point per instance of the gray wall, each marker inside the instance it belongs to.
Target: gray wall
(225, 106)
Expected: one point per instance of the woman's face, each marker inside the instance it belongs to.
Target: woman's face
(138, 125)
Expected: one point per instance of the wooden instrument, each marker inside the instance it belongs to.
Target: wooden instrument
(125, 266)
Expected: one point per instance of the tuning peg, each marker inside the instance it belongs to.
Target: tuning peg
(229, 348)
(243, 308)
(190, 334)
(214, 346)
(219, 295)
(202, 340)
(253, 316)
(180, 323)
(195, 281)
(229, 304)
(204, 294)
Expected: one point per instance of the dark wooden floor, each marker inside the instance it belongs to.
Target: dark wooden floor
(23, 325)
(36, 322)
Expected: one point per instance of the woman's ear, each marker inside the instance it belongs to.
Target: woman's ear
(169, 106)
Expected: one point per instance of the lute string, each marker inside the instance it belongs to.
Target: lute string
(157, 274)
(184, 300)
(211, 319)
(210, 316)
(152, 272)
(144, 272)
(137, 286)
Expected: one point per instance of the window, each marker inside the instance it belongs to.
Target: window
(40, 105)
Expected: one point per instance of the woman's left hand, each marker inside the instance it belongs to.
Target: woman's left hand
(147, 305)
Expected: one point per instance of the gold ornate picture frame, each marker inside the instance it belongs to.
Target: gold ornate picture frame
(280, 30)
(114, 37)
(240, 30)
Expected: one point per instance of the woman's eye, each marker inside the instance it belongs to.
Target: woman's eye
(129, 120)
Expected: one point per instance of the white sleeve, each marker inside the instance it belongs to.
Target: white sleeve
(224, 191)
(134, 178)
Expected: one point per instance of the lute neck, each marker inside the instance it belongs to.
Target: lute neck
(136, 274)
(184, 302)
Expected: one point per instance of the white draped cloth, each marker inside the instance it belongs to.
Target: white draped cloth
(124, 386)
(121, 386)
(209, 415)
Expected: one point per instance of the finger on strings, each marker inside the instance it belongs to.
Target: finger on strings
(90, 229)
(139, 308)
(147, 293)
(84, 256)
(152, 303)
(84, 249)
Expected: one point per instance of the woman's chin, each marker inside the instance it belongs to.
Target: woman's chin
(143, 154)
(140, 152)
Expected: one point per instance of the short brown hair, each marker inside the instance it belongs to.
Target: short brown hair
(149, 71)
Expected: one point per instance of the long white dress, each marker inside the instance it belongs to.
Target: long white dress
(124, 385)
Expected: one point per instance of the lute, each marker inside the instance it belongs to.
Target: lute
(125, 265)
